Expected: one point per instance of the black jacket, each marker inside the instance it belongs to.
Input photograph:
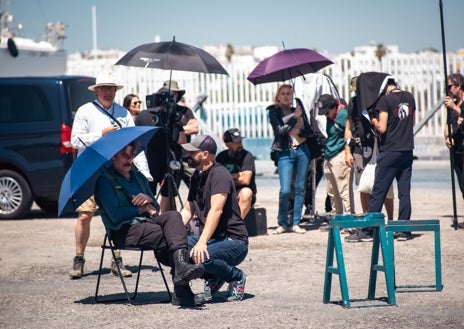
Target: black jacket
(281, 138)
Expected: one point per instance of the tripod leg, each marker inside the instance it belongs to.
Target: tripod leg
(169, 188)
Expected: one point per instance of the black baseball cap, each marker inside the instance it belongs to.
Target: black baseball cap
(325, 103)
(232, 135)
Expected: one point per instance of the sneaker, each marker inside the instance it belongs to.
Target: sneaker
(297, 229)
(184, 297)
(367, 237)
(237, 289)
(125, 272)
(279, 230)
(356, 236)
(212, 286)
(78, 268)
(307, 213)
(324, 228)
(403, 236)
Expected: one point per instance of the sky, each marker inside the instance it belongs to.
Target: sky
(329, 26)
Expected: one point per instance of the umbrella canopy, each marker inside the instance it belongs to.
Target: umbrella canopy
(172, 55)
(288, 64)
(79, 182)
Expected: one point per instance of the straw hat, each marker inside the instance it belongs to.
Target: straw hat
(105, 79)
(173, 86)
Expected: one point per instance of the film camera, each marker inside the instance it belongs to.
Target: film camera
(163, 106)
(162, 97)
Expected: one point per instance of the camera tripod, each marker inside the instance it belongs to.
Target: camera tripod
(169, 182)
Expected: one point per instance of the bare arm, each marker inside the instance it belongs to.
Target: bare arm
(380, 124)
(191, 127)
(242, 178)
(186, 213)
(348, 135)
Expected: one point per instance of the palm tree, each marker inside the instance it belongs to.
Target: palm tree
(380, 52)
(229, 52)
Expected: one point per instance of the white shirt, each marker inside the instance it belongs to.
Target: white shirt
(89, 122)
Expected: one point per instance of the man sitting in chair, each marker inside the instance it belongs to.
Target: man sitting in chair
(131, 216)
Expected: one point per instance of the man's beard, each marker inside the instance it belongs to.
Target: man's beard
(193, 163)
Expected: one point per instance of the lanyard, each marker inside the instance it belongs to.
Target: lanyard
(107, 113)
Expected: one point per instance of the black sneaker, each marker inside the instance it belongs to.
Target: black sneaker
(367, 237)
(404, 236)
(356, 236)
(78, 268)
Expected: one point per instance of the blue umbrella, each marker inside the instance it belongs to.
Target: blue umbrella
(79, 183)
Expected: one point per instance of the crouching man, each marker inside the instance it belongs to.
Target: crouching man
(131, 214)
(222, 243)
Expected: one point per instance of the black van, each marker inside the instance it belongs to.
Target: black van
(36, 115)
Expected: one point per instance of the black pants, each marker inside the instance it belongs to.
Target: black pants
(164, 232)
(459, 169)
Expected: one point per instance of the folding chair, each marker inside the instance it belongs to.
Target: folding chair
(130, 296)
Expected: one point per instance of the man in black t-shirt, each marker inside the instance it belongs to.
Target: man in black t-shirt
(241, 165)
(394, 121)
(222, 243)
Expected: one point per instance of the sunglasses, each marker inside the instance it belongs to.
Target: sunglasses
(449, 87)
(137, 102)
(107, 88)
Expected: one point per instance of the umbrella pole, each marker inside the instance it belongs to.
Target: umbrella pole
(448, 119)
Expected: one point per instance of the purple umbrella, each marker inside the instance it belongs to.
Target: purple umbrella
(288, 64)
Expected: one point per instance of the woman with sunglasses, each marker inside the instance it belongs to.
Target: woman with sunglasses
(132, 104)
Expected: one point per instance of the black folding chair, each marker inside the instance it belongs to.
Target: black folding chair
(130, 296)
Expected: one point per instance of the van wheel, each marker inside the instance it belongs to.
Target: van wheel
(15, 195)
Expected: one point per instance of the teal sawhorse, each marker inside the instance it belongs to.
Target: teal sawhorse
(375, 222)
(420, 225)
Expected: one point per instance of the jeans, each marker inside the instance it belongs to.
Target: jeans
(224, 255)
(289, 161)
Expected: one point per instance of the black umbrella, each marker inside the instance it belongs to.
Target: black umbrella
(172, 55)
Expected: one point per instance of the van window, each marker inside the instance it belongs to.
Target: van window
(23, 104)
(78, 92)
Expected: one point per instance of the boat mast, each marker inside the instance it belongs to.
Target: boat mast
(94, 30)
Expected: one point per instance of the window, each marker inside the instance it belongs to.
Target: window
(23, 103)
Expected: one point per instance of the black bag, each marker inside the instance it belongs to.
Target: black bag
(314, 147)
(274, 157)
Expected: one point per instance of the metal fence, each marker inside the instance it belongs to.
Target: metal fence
(234, 102)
